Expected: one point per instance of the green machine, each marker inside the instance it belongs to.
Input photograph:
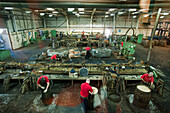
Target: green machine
(140, 37)
(32, 40)
(53, 33)
(128, 50)
(46, 34)
(36, 36)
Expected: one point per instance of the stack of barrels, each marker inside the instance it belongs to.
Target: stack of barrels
(71, 53)
(74, 53)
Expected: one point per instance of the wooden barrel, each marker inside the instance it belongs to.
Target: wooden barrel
(76, 52)
(76, 55)
(142, 96)
(163, 43)
(71, 55)
(156, 42)
(71, 51)
(146, 43)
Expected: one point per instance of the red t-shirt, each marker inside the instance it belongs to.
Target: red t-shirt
(46, 79)
(147, 78)
(85, 88)
(54, 57)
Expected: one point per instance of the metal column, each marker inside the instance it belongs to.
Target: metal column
(44, 22)
(113, 30)
(153, 33)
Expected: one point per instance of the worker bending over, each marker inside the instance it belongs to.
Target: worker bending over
(54, 58)
(87, 56)
(84, 93)
(43, 83)
(148, 80)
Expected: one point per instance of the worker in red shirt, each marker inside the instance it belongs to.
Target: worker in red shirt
(84, 93)
(43, 83)
(87, 56)
(54, 58)
(148, 79)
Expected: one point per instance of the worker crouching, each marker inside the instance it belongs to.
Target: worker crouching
(148, 80)
(84, 93)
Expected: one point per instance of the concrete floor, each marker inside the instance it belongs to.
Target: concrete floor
(15, 102)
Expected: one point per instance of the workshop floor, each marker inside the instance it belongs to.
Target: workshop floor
(13, 101)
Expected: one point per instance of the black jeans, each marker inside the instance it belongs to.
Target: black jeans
(87, 54)
(84, 103)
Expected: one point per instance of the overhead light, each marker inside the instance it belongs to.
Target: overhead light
(70, 9)
(165, 13)
(81, 12)
(111, 14)
(50, 15)
(50, 9)
(42, 14)
(77, 14)
(161, 16)
(112, 9)
(10, 8)
(134, 16)
(1, 30)
(28, 12)
(107, 12)
(81, 9)
(132, 9)
(106, 16)
(146, 15)
(119, 13)
(36, 10)
(74, 12)
(134, 13)
(55, 12)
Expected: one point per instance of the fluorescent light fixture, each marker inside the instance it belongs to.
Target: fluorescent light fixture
(134, 16)
(81, 12)
(10, 8)
(50, 15)
(111, 14)
(146, 15)
(107, 12)
(165, 13)
(112, 9)
(119, 13)
(74, 12)
(55, 12)
(42, 14)
(50, 9)
(77, 14)
(132, 9)
(36, 10)
(70, 9)
(81, 9)
(1, 30)
(161, 16)
(134, 13)
(106, 16)
(28, 12)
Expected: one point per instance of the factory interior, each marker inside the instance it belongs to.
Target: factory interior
(54, 52)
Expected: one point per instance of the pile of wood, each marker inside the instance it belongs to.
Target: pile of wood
(29, 83)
